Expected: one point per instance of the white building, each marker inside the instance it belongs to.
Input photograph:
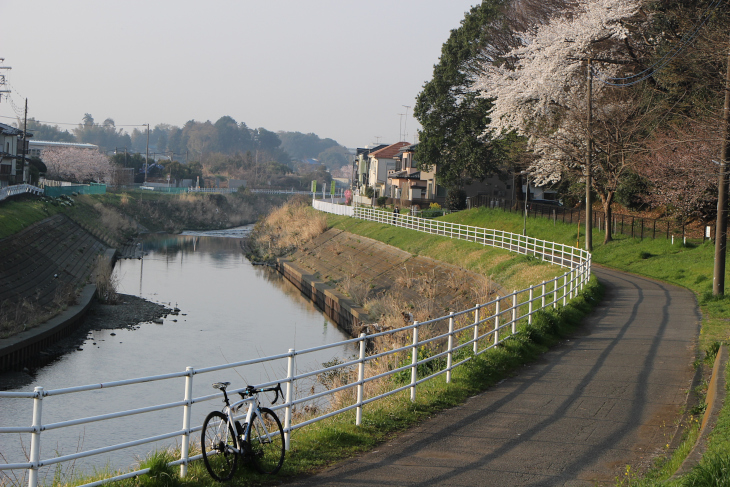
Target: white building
(35, 147)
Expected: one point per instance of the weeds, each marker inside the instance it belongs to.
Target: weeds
(105, 280)
(285, 229)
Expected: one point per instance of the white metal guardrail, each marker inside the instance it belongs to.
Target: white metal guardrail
(19, 189)
(470, 332)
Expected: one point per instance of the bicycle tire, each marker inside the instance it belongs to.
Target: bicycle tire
(219, 460)
(267, 451)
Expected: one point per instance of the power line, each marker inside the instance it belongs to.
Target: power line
(666, 59)
(83, 124)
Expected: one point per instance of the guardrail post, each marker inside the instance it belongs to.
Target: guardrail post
(360, 379)
(514, 311)
(476, 329)
(555, 293)
(565, 289)
(450, 354)
(544, 289)
(573, 283)
(414, 362)
(289, 393)
(35, 437)
(186, 422)
(496, 322)
(529, 306)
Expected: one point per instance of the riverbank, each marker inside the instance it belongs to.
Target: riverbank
(362, 284)
(130, 313)
(114, 217)
(48, 245)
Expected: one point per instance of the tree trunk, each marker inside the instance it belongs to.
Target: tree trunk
(607, 209)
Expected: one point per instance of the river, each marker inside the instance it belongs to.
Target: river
(230, 310)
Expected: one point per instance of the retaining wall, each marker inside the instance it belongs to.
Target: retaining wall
(34, 263)
(27, 345)
(339, 308)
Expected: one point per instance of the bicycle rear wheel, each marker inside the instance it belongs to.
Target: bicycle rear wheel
(217, 442)
(266, 440)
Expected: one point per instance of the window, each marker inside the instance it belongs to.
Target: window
(5, 168)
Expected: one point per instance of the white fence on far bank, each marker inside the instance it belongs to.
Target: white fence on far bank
(470, 332)
(328, 207)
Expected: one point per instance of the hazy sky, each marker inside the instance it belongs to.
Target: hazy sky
(339, 68)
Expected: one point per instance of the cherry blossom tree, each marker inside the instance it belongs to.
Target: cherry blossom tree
(678, 164)
(539, 90)
(76, 164)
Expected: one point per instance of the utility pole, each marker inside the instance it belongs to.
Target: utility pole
(147, 153)
(2, 78)
(25, 126)
(405, 125)
(589, 161)
(589, 145)
(718, 277)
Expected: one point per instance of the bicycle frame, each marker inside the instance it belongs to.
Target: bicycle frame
(244, 433)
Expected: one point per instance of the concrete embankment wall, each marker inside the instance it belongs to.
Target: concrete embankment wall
(338, 307)
(35, 266)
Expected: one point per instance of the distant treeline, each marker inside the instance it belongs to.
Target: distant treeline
(198, 141)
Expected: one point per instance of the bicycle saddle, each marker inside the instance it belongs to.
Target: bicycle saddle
(221, 385)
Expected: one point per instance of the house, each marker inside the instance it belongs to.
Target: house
(360, 179)
(411, 185)
(379, 163)
(12, 169)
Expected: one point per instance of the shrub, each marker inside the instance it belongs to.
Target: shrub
(456, 199)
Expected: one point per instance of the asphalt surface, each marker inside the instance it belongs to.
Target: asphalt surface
(605, 398)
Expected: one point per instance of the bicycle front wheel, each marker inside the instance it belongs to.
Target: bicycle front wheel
(218, 442)
(266, 439)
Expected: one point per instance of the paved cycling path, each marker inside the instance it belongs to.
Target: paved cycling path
(604, 398)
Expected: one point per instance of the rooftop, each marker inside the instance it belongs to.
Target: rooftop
(389, 151)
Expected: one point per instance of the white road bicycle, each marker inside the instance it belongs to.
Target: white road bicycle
(260, 439)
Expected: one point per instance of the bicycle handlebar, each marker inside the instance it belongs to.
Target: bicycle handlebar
(253, 390)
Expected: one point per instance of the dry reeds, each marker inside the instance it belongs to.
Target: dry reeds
(286, 229)
(358, 290)
(105, 280)
(117, 226)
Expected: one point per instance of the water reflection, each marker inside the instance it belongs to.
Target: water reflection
(230, 311)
